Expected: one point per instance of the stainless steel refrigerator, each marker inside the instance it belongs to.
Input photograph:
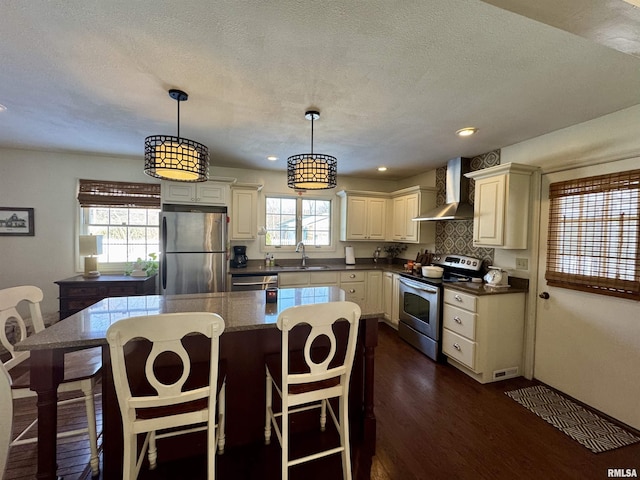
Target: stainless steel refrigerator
(193, 245)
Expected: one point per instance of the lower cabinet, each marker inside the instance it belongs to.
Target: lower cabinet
(354, 285)
(390, 292)
(363, 287)
(307, 279)
(483, 334)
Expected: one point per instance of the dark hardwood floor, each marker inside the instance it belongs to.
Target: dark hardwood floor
(434, 422)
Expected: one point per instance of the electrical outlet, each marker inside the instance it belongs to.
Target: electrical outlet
(522, 263)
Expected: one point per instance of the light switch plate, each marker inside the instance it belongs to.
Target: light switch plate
(522, 263)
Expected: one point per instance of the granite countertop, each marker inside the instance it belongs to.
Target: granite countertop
(240, 311)
(257, 267)
(516, 285)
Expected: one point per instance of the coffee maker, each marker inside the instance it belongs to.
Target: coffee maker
(239, 256)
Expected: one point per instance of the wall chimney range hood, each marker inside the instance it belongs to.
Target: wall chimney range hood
(457, 194)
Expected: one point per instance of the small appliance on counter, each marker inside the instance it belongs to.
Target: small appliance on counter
(349, 256)
(239, 256)
(496, 277)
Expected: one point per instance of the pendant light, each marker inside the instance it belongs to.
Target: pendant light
(175, 158)
(311, 171)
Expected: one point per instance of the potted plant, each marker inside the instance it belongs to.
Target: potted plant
(144, 268)
(394, 250)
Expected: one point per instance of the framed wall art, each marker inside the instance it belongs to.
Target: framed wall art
(16, 221)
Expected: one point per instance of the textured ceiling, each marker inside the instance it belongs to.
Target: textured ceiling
(393, 80)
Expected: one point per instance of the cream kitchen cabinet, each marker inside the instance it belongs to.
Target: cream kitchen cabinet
(374, 290)
(353, 282)
(354, 285)
(363, 216)
(244, 211)
(204, 193)
(390, 296)
(407, 204)
(483, 334)
(501, 206)
(308, 279)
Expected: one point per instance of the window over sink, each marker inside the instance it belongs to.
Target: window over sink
(290, 220)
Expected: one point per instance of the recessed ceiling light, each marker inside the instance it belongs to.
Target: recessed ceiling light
(382, 169)
(466, 131)
(2, 108)
(272, 158)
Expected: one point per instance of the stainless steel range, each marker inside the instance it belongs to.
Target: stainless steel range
(421, 301)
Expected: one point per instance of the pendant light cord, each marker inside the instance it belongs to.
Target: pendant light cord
(311, 134)
(178, 117)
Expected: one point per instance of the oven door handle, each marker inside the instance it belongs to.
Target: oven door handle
(418, 285)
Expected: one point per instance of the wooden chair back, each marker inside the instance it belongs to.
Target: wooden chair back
(10, 298)
(321, 319)
(165, 332)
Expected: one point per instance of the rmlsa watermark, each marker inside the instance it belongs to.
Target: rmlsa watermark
(622, 473)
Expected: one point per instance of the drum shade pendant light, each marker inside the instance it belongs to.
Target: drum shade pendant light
(175, 158)
(311, 171)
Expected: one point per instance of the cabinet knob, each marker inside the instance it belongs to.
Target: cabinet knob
(544, 295)
(458, 320)
(352, 290)
(353, 275)
(458, 298)
(457, 346)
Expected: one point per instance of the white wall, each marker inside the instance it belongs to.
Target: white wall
(47, 182)
(585, 345)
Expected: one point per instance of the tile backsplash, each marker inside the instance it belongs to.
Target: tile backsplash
(457, 236)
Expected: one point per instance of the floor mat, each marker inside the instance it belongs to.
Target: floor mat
(585, 427)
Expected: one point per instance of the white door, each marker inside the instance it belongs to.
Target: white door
(587, 345)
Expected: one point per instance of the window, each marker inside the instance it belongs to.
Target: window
(126, 214)
(290, 220)
(594, 234)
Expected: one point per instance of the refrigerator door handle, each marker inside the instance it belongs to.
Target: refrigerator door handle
(163, 263)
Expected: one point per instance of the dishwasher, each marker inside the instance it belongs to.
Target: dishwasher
(244, 282)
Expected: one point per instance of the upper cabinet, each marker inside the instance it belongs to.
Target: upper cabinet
(201, 193)
(363, 216)
(501, 207)
(244, 211)
(407, 204)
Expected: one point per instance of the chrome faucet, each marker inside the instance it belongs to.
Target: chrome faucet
(304, 257)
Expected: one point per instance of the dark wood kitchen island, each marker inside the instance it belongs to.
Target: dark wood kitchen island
(250, 332)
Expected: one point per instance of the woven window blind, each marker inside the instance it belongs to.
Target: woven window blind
(594, 236)
(97, 193)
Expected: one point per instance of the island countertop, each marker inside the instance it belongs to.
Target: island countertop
(240, 311)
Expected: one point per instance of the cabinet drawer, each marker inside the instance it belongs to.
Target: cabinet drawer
(293, 279)
(121, 291)
(460, 321)
(459, 299)
(352, 276)
(323, 278)
(80, 291)
(75, 304)
(354, 292)
(459, 348)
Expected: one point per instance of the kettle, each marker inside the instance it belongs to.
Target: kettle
(493, 276)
